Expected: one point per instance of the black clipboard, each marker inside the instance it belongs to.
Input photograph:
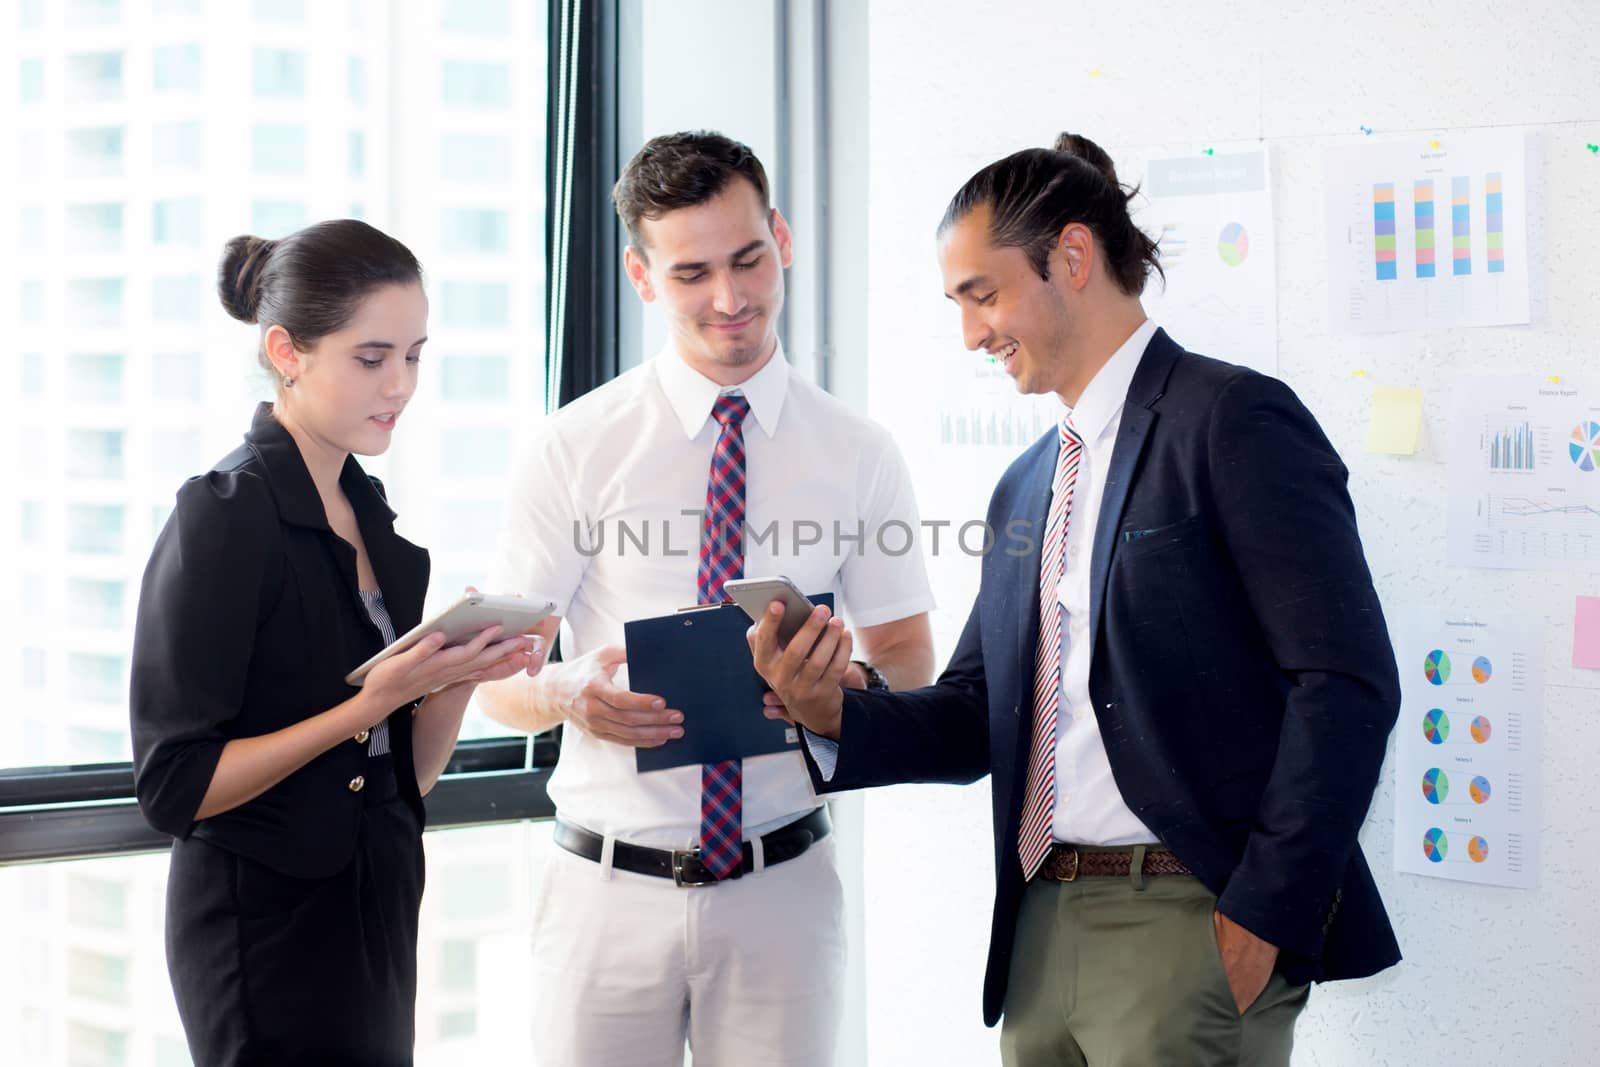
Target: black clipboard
(698, 661)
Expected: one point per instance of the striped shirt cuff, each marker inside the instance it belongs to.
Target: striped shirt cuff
(824, 751)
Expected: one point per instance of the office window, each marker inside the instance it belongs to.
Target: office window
(478, 16)
(32, 370)
(475, 230)
(30, 14)
(475, 890)
(358, 154)
(32, 522)
(279, 149)
(31, 228)
(95, 301)
(178, 145)
(273, 219)
(94, 603)
(179, 222)
(481, 86)
(178, 376)
(280, 72)
(94, 453)
(474, 452)
(95, 377)
(95, 152)
(96, 678)
(459, 965)
(475, 377)
(33, 668)
(458, 1024)
(177, 454)
(94, 227)
(176, 67)
(94, 529)
(98, 902)
(90, 744)
(93, 12)
(475, 157)
(95, 1046)
(32, 80)
(30, 301)
(178, 299)
(358, 80)
(477, 303)
(284, 11)
(94, 76)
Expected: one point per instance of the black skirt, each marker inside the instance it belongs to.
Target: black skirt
(270, 969)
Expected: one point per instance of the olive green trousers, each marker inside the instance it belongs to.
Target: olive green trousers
(1109, 972)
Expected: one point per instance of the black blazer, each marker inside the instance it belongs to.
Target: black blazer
(249, 619)
(1241, 671)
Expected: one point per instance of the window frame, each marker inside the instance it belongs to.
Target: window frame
(82, 811)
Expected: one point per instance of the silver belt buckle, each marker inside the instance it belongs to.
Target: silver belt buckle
(680, 856)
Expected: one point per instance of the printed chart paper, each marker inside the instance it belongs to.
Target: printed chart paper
(1523, 477)
(1424, 237)
(1212, 219)
(1467, 751)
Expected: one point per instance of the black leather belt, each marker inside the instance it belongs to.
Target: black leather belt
(683, 865)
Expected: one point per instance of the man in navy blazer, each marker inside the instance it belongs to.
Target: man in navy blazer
(1177, 671)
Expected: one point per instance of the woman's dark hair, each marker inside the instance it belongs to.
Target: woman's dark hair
(311, 282)
(679, 170)
(1034, 193)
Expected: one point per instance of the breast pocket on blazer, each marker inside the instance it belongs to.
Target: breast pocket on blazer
(1136, 542)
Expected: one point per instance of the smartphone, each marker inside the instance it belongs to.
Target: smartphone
(461, 622)
(754, 594)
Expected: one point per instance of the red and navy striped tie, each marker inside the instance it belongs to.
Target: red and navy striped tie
(1039, 796)
(721, 558)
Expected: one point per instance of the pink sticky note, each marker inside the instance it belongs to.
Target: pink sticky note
(1586, 633)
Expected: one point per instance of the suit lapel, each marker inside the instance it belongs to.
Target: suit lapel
(1138, 420)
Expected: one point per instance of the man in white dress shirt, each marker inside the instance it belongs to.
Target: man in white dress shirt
(748, 967)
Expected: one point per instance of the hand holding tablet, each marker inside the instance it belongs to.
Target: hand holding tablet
(461, 622)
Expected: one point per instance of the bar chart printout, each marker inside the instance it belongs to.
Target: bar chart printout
(1523, 477)
(1427, 237)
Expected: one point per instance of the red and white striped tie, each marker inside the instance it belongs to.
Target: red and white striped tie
(1039, 797)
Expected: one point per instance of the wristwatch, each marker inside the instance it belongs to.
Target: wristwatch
(875, 679)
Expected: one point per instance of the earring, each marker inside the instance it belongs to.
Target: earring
(288, 383)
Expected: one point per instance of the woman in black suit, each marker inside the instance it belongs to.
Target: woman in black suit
(296, 799)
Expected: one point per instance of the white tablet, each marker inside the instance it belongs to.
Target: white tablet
(462, 621)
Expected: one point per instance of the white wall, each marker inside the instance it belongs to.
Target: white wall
(1491, 975)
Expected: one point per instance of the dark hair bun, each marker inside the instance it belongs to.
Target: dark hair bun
(1077, 144)
(244, 260)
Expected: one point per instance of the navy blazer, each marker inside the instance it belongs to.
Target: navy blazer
(1241, 671)
(249, 619)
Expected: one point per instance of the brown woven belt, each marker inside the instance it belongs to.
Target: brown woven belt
(1065, 863)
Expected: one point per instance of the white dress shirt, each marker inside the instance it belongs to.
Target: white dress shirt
(637, 450)
(1089, 806)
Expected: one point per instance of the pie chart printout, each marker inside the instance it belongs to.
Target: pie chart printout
(1435, 845)
(1478, 849)
(1482, 669)
(1436, 726)
(1435, 786)
(1480, 729)
(1480, 790)
(1436, 667)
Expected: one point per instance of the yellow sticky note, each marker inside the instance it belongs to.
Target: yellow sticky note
(1395, 422)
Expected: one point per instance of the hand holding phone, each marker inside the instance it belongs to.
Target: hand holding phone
(754, 594)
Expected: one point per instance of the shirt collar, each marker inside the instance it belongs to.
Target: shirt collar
(691, 394)
(1102, 398)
